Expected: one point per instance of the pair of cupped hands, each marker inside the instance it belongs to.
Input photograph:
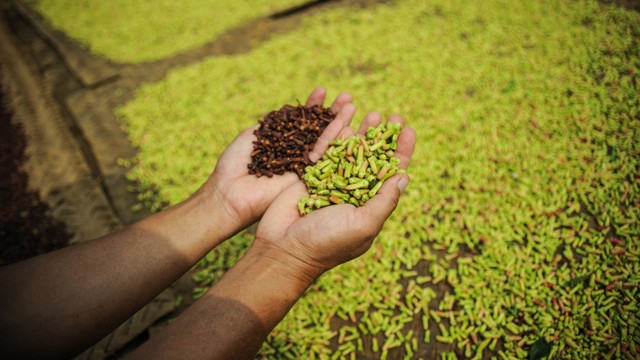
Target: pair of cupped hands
(325, 238)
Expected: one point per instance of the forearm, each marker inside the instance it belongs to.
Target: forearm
(236, 315)
(58, 304)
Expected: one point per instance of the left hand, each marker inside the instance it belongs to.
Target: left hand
(245, 197)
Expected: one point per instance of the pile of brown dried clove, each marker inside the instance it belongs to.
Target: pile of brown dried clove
(285, 138)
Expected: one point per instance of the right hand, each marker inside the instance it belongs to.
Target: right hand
(317, 242)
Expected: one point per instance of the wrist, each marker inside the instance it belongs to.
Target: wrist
(194, 226)
(264, 282)
(218, 210)
(284, 263)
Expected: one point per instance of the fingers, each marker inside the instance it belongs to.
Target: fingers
(406, 139)
(346, 132)
(345, 115)
(283, 211)
(239, 148)
(374, 213)
(316, 97)
(406, 142)
(332, 131)
(372, 119)
(340, 101)
(395, 118)
(406, 145)
(322, 144)
(345, 111)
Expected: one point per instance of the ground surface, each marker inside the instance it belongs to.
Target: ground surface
(91, 195)
(26, 227)
(86, 89)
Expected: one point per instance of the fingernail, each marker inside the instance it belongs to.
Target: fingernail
(402, 183)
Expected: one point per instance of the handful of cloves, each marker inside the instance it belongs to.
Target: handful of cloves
(285, 138)
(352, 170)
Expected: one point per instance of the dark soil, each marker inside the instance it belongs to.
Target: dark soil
(26, 229)
(629, 4)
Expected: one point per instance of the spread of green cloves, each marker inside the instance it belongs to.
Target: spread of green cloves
(352, 170)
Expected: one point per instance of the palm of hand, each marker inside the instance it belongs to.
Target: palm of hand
(322, 239)
(247, 195)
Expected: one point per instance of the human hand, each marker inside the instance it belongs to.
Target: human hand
(245, 197)
(335, 234)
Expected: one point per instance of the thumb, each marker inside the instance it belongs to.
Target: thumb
(378, 209)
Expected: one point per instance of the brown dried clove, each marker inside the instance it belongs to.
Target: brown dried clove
(285, 138)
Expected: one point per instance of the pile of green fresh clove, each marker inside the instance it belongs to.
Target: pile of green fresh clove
(352, 170)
